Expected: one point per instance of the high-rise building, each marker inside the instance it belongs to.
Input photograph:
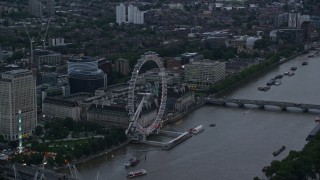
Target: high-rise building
(50, 8)
(131, 11)
(135, 16)
(17, 92)
(35, 8)
(121, 13)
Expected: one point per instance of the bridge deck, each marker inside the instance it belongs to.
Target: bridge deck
(262, 103)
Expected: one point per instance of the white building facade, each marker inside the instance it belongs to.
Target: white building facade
(121, 14)
(202, 74)
(135, 16)
(17, 92)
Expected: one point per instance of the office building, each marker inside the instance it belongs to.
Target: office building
(50, 8)
(35, 8)
(17, 92)
(202, 74)
(46, 57)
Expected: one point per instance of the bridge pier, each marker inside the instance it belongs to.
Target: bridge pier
(305, 110)
(261, 106)
(283, 108)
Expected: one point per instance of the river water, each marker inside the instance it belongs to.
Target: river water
(242, 142)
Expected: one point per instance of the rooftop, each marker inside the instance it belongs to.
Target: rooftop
(16, 71)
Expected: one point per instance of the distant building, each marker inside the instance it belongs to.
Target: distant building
(105, 66)
(179, 98)
(135, 16)
(202, 74)
(190, 57)
(35, 8)
(173, 62)
(122, 65)
(315, 21)
(4, 55)
(287, 35)
(293, 20)
(56, 42)
(116, 115)
(63, 107)
(281, 20)
(50, 8)
(46, 57)
(17, 92)
(121, 14)
(85, 76)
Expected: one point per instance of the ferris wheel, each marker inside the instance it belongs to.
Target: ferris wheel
(137, 130)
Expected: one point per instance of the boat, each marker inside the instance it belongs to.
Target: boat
(266, 88)
(277, 83)
(304, 63)
(197, 129)
(277, 152)
(278, 76)
(293, 68)
(291, 74)
(317, 119)
(132, 162)
(270, 82)
(137, 173)
(212, 125)
(286, 73)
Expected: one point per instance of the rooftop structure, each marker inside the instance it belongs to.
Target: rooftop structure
(85, 76)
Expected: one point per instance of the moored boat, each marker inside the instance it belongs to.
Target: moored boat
(277, 83)
(293, 68)
(197, 129)
(132, 162)
(212, 125)
(317, 119)
(277, 152)
(136, 173)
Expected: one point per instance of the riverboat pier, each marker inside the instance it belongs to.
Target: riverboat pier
(178, 138)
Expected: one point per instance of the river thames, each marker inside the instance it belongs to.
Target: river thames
(242, 142)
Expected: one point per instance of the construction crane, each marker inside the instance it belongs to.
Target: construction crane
(44, 37)
(31, 44)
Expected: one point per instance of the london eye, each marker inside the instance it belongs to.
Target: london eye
(137, 130)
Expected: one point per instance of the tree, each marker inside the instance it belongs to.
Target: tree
(2, 139)
(38, 130)
(68, 123)
(261, 44)
(59, 159)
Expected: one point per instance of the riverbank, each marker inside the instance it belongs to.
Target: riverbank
(179, 115)
(91, 157)
(264, 70)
